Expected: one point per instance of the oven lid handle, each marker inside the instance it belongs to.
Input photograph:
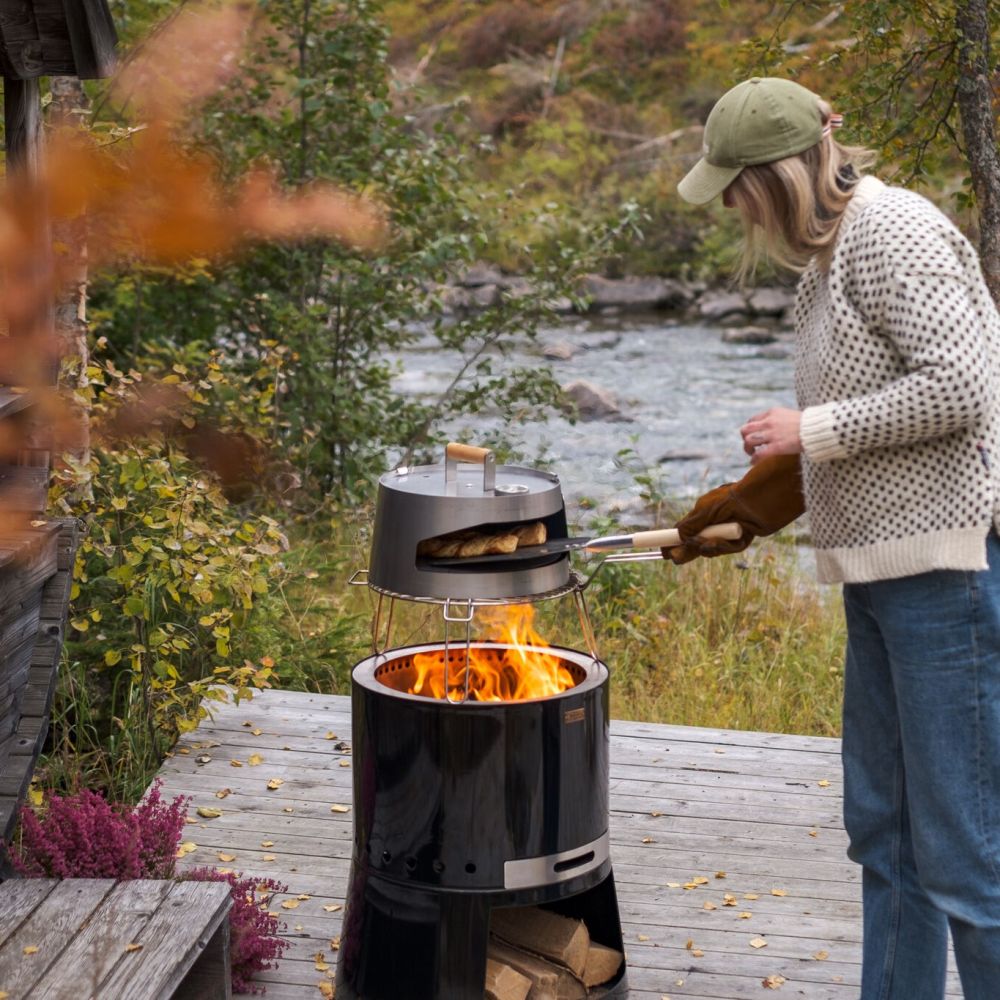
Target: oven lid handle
(455, 453)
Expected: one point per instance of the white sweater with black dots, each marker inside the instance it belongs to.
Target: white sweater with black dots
(898, 376)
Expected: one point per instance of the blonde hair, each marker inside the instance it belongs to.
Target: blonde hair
(791, 208)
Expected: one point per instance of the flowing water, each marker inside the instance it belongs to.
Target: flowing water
(683, 390)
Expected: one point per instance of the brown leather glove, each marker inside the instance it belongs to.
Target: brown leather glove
(767, 498)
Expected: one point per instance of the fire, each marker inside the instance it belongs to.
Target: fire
(525, 670)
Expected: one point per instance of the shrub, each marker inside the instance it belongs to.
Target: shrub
(254, 944)
(172, 581)
(84, 836)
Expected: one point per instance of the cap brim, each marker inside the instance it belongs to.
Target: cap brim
(704, 181)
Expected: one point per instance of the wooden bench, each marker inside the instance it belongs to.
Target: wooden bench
(106, 940)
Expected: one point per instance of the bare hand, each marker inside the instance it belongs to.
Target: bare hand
(773, 432)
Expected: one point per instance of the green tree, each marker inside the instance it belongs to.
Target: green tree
(312, 102)
(915, 80)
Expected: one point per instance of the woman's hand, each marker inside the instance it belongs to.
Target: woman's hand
(773, 432)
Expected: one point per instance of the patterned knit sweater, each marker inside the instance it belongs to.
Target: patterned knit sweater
(898, 376)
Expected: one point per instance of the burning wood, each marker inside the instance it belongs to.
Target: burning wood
(553, 952)
(525, 670)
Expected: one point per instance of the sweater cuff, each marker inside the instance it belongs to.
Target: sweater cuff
(819, 441)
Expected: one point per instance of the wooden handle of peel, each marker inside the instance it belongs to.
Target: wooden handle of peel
(668, 538)
(466, 452)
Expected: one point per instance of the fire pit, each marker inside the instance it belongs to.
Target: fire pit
(480, 765)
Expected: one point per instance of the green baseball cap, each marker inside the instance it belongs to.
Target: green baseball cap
(758, 121)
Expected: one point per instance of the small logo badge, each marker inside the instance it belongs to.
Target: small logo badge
(574, 715)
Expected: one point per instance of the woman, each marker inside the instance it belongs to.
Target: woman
(897, 373)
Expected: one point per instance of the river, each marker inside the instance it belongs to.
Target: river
(683, 389)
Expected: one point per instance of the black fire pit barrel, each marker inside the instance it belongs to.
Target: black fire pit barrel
(461, 808)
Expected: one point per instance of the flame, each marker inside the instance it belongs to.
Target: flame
(524, 670)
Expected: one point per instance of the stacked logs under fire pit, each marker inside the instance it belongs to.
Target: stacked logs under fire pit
(481, 863)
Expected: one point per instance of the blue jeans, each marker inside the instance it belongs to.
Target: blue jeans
(921, 753)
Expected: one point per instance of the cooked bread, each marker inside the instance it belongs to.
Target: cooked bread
(469, 544)
(488, 545)
(530, 534)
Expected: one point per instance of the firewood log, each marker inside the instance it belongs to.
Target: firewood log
(602, 964)
(503, 982)
(557, 938)
(549, 981)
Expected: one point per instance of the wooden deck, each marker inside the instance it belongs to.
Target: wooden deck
(720, 841)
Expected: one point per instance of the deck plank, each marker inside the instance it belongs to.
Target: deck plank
(756, 814)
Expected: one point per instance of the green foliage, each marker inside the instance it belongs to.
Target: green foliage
(172, 581)
(313, 101)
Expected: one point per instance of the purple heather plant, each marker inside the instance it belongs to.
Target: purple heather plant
(83, 836)
(254, 943)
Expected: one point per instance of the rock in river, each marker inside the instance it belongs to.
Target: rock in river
(592, 402)
(749, 335)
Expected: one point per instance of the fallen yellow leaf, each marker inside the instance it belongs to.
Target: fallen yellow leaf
(345, 763)
(236, 763)
(698, 953)
(254, 759)
(821, 956)
(288, 809)
(772, 982)
(227, 857)
(656, 812)
(30, 949)
(186, 848)
(289, 904)
(330, 736)
(223, 792)
(275, 783)
(267, 843)
(256, 732)
(303, 896)
(720, 874)
(673, 885)
(728, 899)
(190, 820)
(326, 989)
(133, 947)
(248, 724)
(269, 857)
(338, 808)
(643, 937)
(224, 871)
(335, 943)
(332, 908)
(823, 784)
(750, 895)
(209, 812)
(745, 915)
(779, 892)
(758, 942)
(689, 944)
(648, 840)
(709, 906)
